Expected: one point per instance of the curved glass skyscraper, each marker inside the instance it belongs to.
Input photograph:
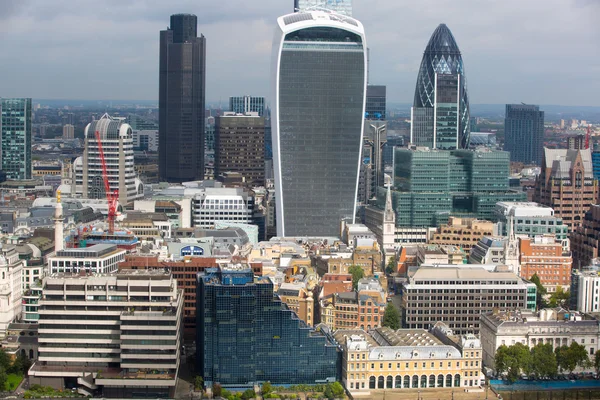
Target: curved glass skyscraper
(320, 79)
(440, 113)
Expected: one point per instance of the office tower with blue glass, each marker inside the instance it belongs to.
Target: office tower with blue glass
(524, 133)
(319, 82)
(343, 7)
(181, 101)
(374, 140)
(15, 128)
(247, 104)
(246, 335)
(440, 112)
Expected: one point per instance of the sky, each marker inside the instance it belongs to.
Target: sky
(532, 51)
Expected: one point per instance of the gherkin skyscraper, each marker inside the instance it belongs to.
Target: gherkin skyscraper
(440, 112)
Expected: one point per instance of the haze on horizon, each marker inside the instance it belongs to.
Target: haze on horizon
(535, 51)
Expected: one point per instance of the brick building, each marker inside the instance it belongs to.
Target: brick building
(544, 256)
(585, 239)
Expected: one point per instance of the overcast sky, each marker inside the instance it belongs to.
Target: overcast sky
(535, 51)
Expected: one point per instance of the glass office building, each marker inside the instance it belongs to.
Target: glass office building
(319, 72)
(15, 127)
(343, 7)
(440, 111)
(247, 104)
(524, 133)
(431, 185)
(245, 334)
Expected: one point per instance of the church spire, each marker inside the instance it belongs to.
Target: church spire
(389, 210)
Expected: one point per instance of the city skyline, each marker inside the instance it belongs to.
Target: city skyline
(522, 59)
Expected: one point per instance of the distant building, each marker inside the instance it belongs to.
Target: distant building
(524, 133)
(117, 144)
(246, 335)
(576, 142)
(80, 350)
(462, 232)
(585, 239)
(530, 219)
(584, 291)
(567, 175)
(68, 132)
(240, 146)
(15, 138)
(457, 296)
(409, 359)
(145, 140)
(374, 139)
(549, 326)
(440, 112)
(181, 100)
(544, 256)
(247, 105)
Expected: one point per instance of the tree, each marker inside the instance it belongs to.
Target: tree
(559, 297)
(3, 378)
(248, 394)
(266, 388)
(217, 390)
(392, 266)
(391, 317)
(541, 291)
(513, 360)
(578, 355)
(198, 382)
(543, 361)
(357, 274)
(4, 360)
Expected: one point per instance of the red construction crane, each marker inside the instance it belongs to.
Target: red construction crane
(587, 138)
(113, 196)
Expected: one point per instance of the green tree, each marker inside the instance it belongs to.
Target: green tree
(392, 266)
(248, 394)
(217, 390)
(357, 274)
(578, 355)
(543, 361)
(541, 291)
(513, 360)
(391, 317)
(559, 298)
(198, 382)
(597, 362)
(267, 388)
(4, 360)
(3, 378)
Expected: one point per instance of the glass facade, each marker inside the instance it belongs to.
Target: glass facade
(181, 101)
(376, 102)
(15, 128)
(524, 133)
(431, 185)
(246, 334)
(343, 7)
(442, 88)
(320, 99)
(246, 104)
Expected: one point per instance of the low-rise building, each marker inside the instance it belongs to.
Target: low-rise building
(114, 335)
(440, 254)
(463, 232)
(457, 296)
(148, 226)
(530, 219)
(555, 326)
(299, 300)
(544, 257)
(409, 359)
(99, 258)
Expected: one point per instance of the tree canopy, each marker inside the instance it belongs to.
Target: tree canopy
(570, 357)
(391, 317)
(541, 291)
(559, 298)
(357, 274)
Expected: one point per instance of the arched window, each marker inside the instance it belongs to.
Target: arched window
(31, 354)
(440, 381)
(389, 382)
(457, 380)
(415, 381)
(431, 381)
(372, 382)
(448, 380)
(406, 382)
(398, 383)
(380, 382)
(423, 381)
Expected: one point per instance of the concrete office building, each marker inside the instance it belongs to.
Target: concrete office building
(567, 184)
(409, 359)
(549, 326)
(530, 219)
(463, 232)
(317, 126)
(68, 132)
(117, 144)
(524, 133)
(585, 287)
(246, 335)
(97, 259)
(11, 286)
(181, 100)
(109, 336)
(457, 296)
(15, 138)
(240, 146)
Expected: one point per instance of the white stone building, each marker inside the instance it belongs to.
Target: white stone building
(11, 289)
(99, 258)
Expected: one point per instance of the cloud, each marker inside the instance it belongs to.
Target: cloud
(544, 51)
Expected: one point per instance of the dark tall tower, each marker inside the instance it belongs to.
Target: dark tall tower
(440, 113)
(181, 101)
(524, 133)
